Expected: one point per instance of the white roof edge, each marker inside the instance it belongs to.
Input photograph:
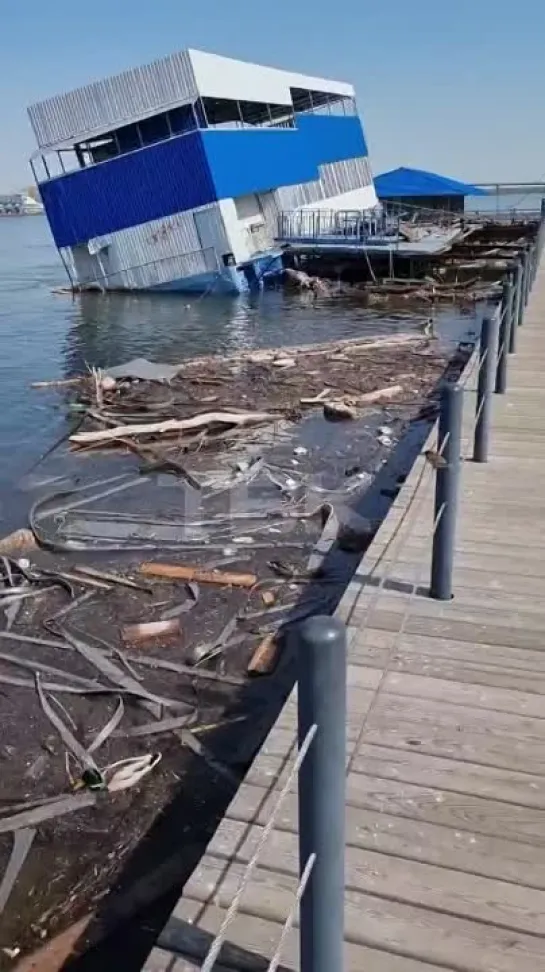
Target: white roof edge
(293, 78)
(205, 64)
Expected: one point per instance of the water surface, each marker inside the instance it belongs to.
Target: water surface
(45, 336)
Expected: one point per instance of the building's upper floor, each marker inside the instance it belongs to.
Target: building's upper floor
(182, 133)
(177, 94)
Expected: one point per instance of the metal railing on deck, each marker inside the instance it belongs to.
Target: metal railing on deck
(384, 224)
(320, 766)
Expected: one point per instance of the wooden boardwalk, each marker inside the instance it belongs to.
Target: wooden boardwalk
(445, 863)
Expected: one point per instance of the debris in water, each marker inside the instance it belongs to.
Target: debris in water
(148, 630)
(178, 572)
(265, 658)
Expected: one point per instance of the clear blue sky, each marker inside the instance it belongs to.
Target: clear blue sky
(454, 87)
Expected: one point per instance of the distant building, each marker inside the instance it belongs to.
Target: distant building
(424, 190)
(11, 204)
(179, 171)
(19, 204)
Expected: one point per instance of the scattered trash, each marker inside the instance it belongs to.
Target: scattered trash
(178, 572)
(265, 658)
(300, 451)
(339, 411)
(143, 370)
(148, 630)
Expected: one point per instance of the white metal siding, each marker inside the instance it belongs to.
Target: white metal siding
(210, 229)
(114, 101)
(224, 77)
(152, 253)
(335, 179)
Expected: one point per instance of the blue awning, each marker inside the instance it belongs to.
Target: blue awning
(416, 182)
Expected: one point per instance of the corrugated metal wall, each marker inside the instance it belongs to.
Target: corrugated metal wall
(335, 178)
(155, 253)
(114, 101)
(164, 179)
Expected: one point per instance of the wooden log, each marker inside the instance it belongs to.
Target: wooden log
(18, 542)
(375, 396)
(265, 658)
(147, 630)
(173, 425)
(179, 572)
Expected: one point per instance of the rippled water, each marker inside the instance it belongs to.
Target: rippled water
(45, 335)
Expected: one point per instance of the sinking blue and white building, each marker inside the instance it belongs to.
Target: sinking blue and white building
(174, 176)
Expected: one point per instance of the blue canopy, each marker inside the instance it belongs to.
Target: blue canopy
(416, 182)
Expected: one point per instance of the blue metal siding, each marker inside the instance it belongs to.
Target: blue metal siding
(164, 179)
(331, 138)
(245, 161)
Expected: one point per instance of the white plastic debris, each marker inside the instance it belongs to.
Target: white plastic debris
(385, 430)
(244, 540)
(385, 440)
(300, 451)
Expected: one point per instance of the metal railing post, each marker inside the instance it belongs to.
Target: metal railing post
(449, 445)
(506, 308)
(519, 304)
(488, 350)
(526, 276)
(321, 701)
(512, 277)
(528, 280)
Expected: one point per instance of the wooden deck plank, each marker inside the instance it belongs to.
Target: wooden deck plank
(257, 939)
(405, 929)
(505, 904)
(445, 806)
(396, 836)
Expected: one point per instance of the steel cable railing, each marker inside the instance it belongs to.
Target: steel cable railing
(321, 766)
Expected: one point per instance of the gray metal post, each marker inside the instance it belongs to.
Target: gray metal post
(530, 274)
(321, 691)
(519, 304)
(446, 492)
(526, 275)
(523, 285)
(505, 336)
(485, 384)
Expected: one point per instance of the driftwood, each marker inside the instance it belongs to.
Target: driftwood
(18, 542)
(265, 658)
(339, 411)
(150, 629)
(390, 392)
(178, 572)
(173, 425)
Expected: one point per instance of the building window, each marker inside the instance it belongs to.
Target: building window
(182, 119)
(154, 129)
(321, 103)
(128, 138)
(222, 113)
